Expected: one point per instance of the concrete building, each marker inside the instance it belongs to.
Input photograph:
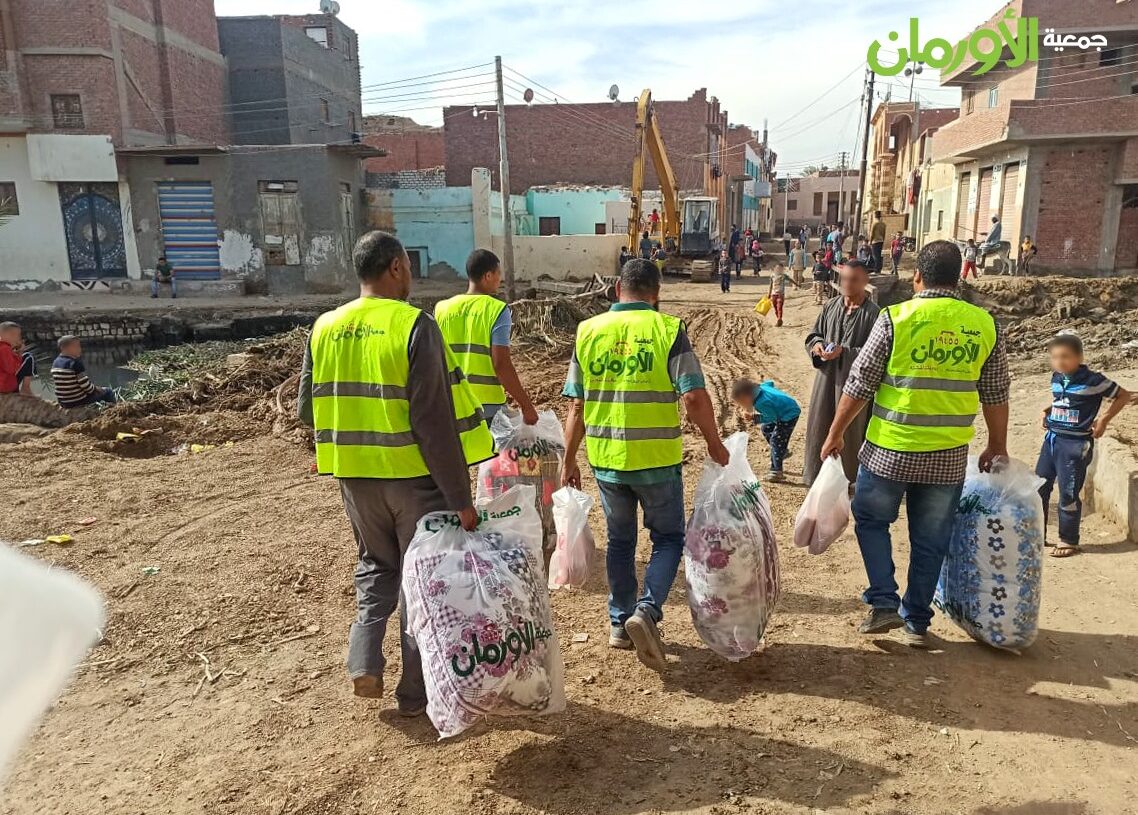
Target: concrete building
(293, 79)
(440, 227)
(824, 197)
(900, 134)
(1052, 146)
(750, 171)
(257, 219)
(74, 84)
(590, 144)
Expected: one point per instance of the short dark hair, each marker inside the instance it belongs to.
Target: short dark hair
(374, 254)
(743, 387)
(481, 263)
(1069, 340)
(856, 264)
(640, 276)
(66, 340)
(877, 214)
(939, 264)
(841, 224)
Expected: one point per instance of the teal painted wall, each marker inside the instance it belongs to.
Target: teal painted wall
(579, 210)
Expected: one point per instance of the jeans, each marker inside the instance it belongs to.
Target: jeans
(738, 268)
(93, 398)
(896, 263)
(877, 249)
(932, 508)
(725, 280)
(1064, 460)
(778, 435)
(663, 506)
(155, 283)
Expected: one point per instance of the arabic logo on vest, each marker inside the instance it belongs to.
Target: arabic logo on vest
(620, 360)
(946, 347)
(984, 45)
(355, 331)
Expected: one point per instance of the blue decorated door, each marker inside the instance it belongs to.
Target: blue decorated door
(92, 221)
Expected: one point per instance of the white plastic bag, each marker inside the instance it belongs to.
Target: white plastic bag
(48, 620)
(478, 608)
(527, 454)
(731, 557)
(572, 560)
(825, 513)
(991, 581)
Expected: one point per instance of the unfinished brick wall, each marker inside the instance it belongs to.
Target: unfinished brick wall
(1126, 256)
(550, 144)
(1072, 203)
(414, 150)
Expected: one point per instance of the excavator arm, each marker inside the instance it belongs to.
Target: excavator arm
(650, 139)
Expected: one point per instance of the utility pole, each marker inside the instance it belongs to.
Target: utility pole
(504, 183)
(862, 180)
(786, 205)
(842, 190)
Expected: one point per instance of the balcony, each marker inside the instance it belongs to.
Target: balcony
(1025, 121)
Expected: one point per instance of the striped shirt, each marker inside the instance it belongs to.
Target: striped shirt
(939, 466)
(72, 387)
(1076, 399)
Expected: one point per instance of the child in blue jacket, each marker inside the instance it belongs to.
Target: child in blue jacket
(775, 412)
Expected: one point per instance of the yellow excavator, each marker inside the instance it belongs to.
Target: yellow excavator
(692, 235)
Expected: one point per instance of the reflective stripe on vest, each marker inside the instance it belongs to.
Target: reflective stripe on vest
(467, 322)
(360, 370)
(632, 421)
(928, 398)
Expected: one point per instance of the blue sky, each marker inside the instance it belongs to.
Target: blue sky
(764, 59)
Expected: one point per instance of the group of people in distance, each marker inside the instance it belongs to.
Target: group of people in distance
(69, 375)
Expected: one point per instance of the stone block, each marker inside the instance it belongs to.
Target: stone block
(1112, 484)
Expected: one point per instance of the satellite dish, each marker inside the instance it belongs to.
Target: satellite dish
(614, 93)
(329, 7)
(528, 96)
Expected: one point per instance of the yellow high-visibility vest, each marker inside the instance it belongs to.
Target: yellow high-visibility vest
(928, 399)
(632, 420)
(467, 321)
(360, 408)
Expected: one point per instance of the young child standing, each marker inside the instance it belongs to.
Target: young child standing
(1072, 424)
(822, 276)
(1027, 252)
(775, 412)
(777, 292)
(724, 272)
(969, 260)
(896, 250)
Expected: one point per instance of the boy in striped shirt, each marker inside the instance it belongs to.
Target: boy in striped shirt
(72, 387)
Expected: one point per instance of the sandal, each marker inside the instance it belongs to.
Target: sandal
(1064, 550)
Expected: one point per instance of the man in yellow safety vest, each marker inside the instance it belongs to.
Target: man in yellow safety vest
(630, 369)
(929, 366)
(477, 326)
(397, 425)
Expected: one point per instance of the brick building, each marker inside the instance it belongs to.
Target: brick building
(293, 79)
(590, 144)
(409, 145)
(78, 79)
(749, 169)
(901, 133)
(1052, 146)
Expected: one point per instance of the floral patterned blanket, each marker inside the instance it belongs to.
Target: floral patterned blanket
(991, 581)
(479, 611)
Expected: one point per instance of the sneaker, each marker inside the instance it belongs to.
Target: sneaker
(879, 620)
(645, 636)
(618, 638)
(913, 638)
(776, 477)
(367, 686)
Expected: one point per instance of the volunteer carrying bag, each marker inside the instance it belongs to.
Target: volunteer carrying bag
(573, 558)
(991, 580)
(731, 557)
(478, 608)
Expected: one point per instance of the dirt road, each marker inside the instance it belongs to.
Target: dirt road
(254, 585)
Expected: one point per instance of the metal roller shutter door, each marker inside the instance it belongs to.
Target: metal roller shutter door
(189, 229)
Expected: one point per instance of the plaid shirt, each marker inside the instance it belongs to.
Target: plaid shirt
(940, 466)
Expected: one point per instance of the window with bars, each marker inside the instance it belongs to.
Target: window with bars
(9, 203)
(67, 111)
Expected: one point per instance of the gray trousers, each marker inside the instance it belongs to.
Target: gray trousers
(383, 515)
